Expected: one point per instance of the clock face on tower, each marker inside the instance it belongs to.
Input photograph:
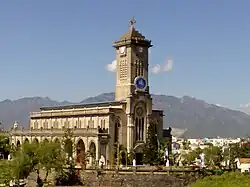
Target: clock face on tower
(140, 83)
(140, 49)
(122, 50)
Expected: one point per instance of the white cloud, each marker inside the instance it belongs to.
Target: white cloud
(168, 65)
(156, 69)
(111, 67)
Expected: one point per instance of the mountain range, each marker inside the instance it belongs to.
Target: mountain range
(199, 118)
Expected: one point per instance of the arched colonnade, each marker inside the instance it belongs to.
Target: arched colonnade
(83, 154)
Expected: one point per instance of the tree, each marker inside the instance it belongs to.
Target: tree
(230, 154)
(151, 152)
(213, 156)
(186, 144)
(131, 156)
(4, 146)
(33, 157)
(5, 172)
(244, 150)
(84, 155)
(230, 179)
(189, 158)
(50, 156)
(21, 165)
(120, 155)
(67, 142)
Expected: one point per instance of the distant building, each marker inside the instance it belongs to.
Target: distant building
(97, 127)
(243, 164)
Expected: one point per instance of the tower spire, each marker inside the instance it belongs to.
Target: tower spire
(132, 23)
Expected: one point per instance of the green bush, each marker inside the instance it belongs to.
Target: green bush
(228, 179)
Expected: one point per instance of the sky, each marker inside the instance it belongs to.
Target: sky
(61, 49)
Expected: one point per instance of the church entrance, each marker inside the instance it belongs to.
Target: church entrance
(139, 158)
(139, 153)
(80, 153)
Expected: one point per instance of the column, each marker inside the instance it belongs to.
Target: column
(146, 125)
(98, 149)
(74, 147)
(130, 132)
(108, 155)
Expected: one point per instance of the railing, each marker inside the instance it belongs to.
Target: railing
(69, 112)
(58, 132)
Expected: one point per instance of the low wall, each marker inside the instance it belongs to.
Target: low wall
(145, 179)
(136, 178)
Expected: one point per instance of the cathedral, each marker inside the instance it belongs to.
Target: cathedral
(99, 126)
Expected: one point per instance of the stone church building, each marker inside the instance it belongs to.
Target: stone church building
(99, 126)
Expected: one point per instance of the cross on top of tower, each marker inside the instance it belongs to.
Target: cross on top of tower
(132, 23)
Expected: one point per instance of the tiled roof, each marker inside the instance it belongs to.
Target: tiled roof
(82, 105)
(132, 34)
(245, 160)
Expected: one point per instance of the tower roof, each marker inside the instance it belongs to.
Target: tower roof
(132, 35)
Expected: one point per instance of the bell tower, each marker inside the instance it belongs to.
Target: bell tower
(132, 63)
(132, 84)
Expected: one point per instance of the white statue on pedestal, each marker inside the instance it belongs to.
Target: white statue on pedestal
(134, 163)
(9, 157)
(101, 161)
(167, 163)
(166, 157)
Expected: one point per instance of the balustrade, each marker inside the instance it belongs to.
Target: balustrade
(55, 132)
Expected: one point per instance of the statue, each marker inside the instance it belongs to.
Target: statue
(166, 157)
(202, 156)
(102, 162)
(134, 163)
(9, 157)
(15, 125)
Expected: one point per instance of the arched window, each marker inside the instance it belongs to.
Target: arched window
(139, 124)
(66, 124)
(45, 125)
(103, 124)
(55, 124)
(91, 123)
(35, 125)
(78, 124)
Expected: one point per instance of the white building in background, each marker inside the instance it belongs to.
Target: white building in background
(220, 142)
(243, 164)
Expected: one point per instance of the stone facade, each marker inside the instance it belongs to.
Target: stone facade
(101, 125)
